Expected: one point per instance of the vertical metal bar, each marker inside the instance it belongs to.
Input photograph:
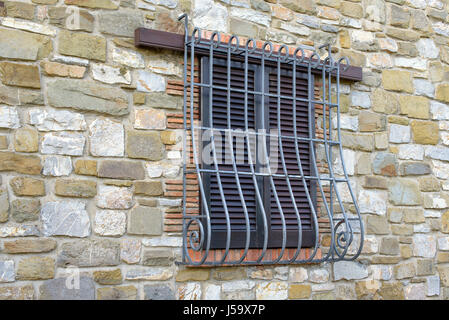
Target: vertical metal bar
(250, 157)
(312, 147)
(344, 168)
(298, 159)
(326, 151)
(281, 151)
(184, 138)
(195, 156)
(211, 122)
(231, 146)
(264, 148)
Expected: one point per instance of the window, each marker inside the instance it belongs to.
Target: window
(235, 101)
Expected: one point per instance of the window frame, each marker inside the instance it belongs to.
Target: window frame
(218, 238)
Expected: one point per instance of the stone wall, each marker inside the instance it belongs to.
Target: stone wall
(90, 150)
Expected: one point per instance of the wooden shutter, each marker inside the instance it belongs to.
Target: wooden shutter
(228, 181)
(289, 152)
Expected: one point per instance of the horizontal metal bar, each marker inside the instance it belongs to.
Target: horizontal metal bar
(260, 93)
(144, 37)
(261, 174)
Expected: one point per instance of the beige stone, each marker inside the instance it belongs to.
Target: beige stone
(62, 70)
(384, 101)
(350, 9)
(24, 186)
(29, 246)
(86, 167)
(108, 277)
(445, 222)
(425, 132)
(415, 106)
(229, 273)
(21, 75)
(76, 188)
(193, 274)
(94, 4)
(26, 139)
(148, 188)
(10, 161)
(169, 137)
(442, 92)
(82, 45)
(36, 268)
(397, 80)
(299, 291)
(150, 119)
(371, 122)
(21, 10)
(17, 292)
(117, 293)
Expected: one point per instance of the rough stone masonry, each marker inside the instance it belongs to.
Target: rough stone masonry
(87, 148)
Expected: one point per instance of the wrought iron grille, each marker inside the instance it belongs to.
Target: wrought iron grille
(334, 217)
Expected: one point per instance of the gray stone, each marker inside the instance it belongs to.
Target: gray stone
(57, 166)
(424, 246)
(63, 143)
(349, 270)
(158, 257)
(25, 210)
(21, 45)
(399, 133)
(210, 15)
(56, 120)
(65, 218)
(438, 153)
(144, 145)
(68, 289)
(129, 21)
(107, 138)
(149, 82)
(113, 197)
(145, 221)
(377, 225)
(385, 163)
(19, 231)
(158, 292)
(433, 285)
(415, 168)
(415, 291)
(7, 273)
(110, 75)
(4, 205)
(121, 170)
(9, 118)
(404, 270)
(110, 222)
(389, 246)
(404, 192)
(89, 253)
(87, 96)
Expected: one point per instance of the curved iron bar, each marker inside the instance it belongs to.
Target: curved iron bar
(213, 45)
(312, 147)
(281, 152)
(301, 171)
(250, 157)
(231, 145)
(267, 160)
(343, 165)
(342, 239)
(194, 151)
(326, 151)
